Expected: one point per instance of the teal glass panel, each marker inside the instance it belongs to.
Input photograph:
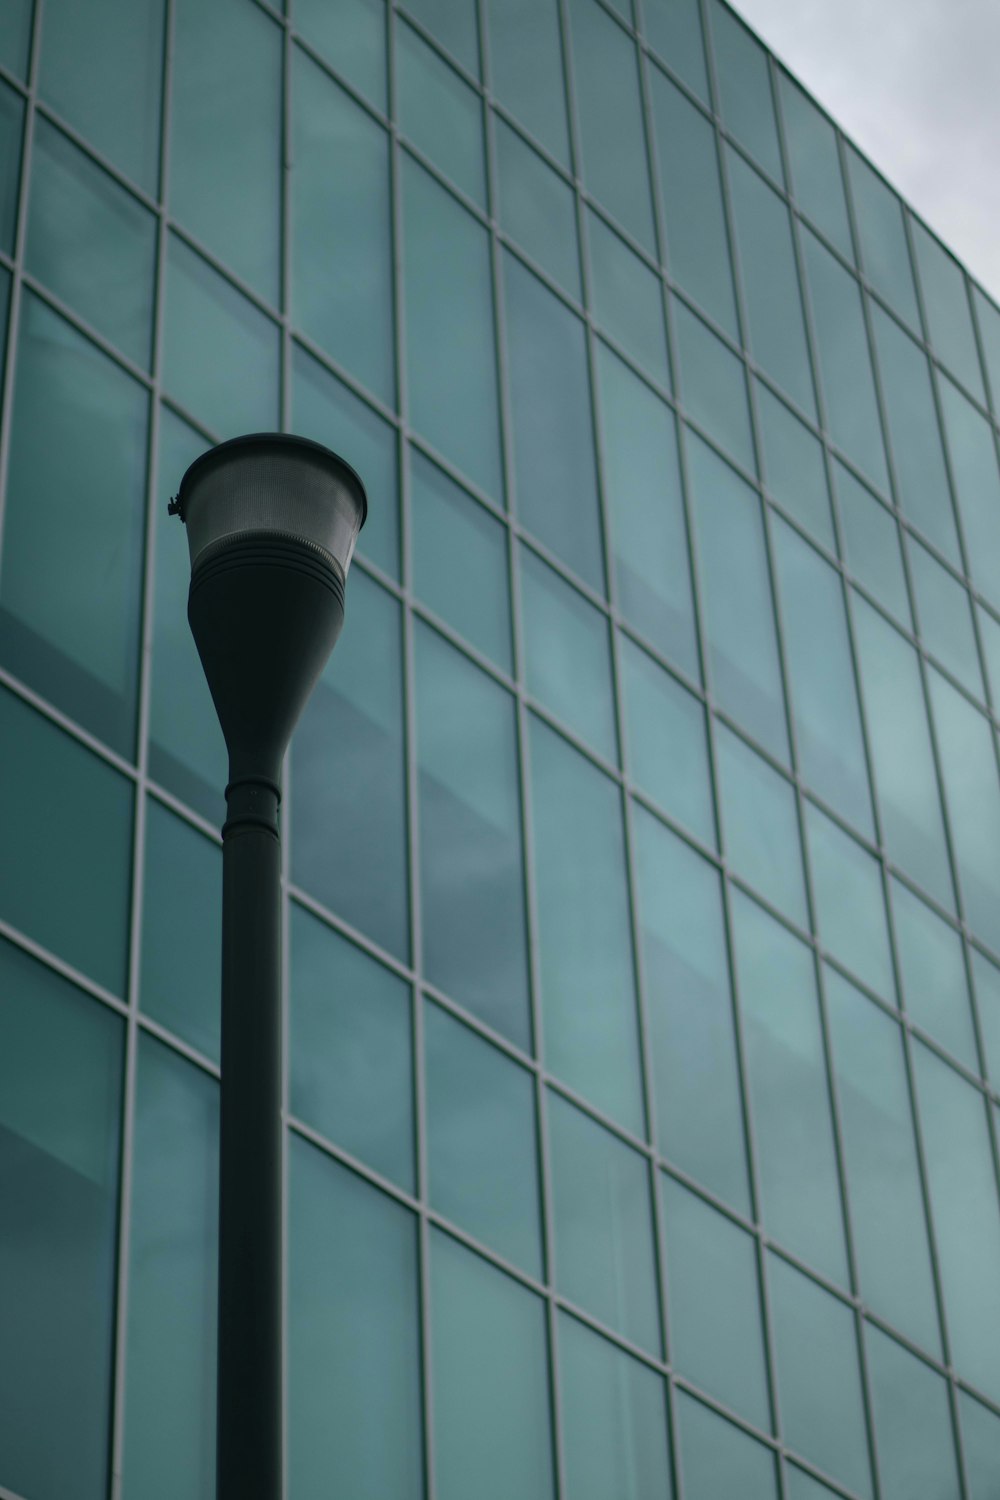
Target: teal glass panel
(186, 750)
(673, 28)
(697, 242)
(326, 410)
(352, 38)
(912, 823)
(642, 490)
(885, 255)
(981, 1444)
(91, 243)
(989, 639)
(946, 306)
(481, 1148)
(945, 612)
(450, 348)
(447, 524)
(872, 549)
(713, 1303)
(613, 1420)
(225, 135)
(61, 1057)
(814, 162)
(760, 825)
(471, 861)
(351, 1072)
(439, 112)
(743, 75)
(819, 1379)
(720, 1459)
(584, 940)
(824, 692)
(348, 815)
(492, 1435)
(11, 126)
(568, 654)
(71, 579)
(15, 37)
(794, 471)
(737, 604)
(453, 23)
(114, 101)
(713, 385)
(966, 1216)
(844, 362)
(608, 102)
(667, 741)
(921, 478)
(988, 322)
(173, 1252)
(689, 1012)
(551, 422)
(972, 448)
(627, 299)
(802, 1486)
(340, 217)
(605, 1256)
(353, 1339)
(986, 981)
(537, 208)
(770, 283)
(181, 898)
(67, 832)
(793, 1126)
(888, 1221)
(969, 769)
(935, 988)
(221, 354)
(527, 69)
(850, 904)
(916, 1445)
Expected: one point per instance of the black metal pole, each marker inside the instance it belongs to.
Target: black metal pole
(249, 1451)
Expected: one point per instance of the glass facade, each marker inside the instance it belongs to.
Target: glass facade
(642, 837)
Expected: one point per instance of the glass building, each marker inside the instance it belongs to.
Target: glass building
(642, 840)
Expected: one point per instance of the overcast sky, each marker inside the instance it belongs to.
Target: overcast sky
(916, 84)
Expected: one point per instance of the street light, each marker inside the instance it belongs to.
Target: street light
(271, 524)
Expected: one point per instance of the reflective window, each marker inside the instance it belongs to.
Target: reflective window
(946, 305)
(916, 1447)
(935, 989)
(794, 471)
(472, 897)
(526, 68)
(815, 164)
(15, 37)
(745, 88)
(760, 825)
(439, 112)
(351, 1062)
(986, 979)
(981, 1442)
(352, 38)
(972, 448)
(73, 526)
(988, 320)
(481, 1147)
(605, 1258)
(537, 208)
(353, 1342)
(872, 548)
(61, 1057)
(453, 22)
(689, 1012)
(585, 948)
(340, 216)
(885, 254)
(850, 905)
(802, 1486)
(967, 746)
(720, 1459)
(713, 385)
(673, 27)
(627, 299)
(11, 125)
(945, 612)
(667, 741)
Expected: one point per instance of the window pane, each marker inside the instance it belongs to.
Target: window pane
(351, 1051)
(114, 101)
(340, 212)
(526, 64)
(73, 519)
(471, 860)
(492, 1435)
(968, 763)
(11, 125)
(690, 1017)
(986, 978)
(225, 134)
(585, 948)
(872, 549)
(537, 208)
(981, 1441)
(440, 113)
(15, 36)
(348, 819)
(989, 639)
(605, 1257)
(673, 27)
(627, 299)
(182, 895)
(850, 905)
(949, 317)
(61, 1057)
(719, 1459)
(802, 1486)
(738, 610)
(745, 88)
(988, 319)
(352, 38)
(614, 1420)
(667, 741)
(815, 164)
(453, 22)
(67, 836)
(642, 488)
(568, 654)
(172, 1304)
(916, 1447)
(713, 385)
(450, 351)
(972, 447)
(482, 1152)
(551, 422)
(793, 466)
(353, 1343)
(884, 251)
(760, 825)
(935, 989)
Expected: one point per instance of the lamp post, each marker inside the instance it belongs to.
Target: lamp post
(271, 524)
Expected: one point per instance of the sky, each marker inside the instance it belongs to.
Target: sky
(916, 85)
